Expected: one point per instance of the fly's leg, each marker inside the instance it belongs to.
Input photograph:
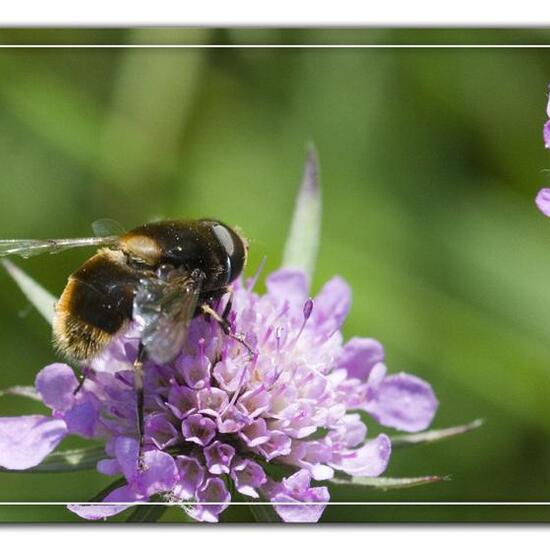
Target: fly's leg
(84, 372)
(138, 385)
(225, 325)
(228, 306)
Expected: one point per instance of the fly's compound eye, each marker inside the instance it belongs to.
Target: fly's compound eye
(225, 238)
(234, 249)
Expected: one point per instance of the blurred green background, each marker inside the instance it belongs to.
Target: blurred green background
(430, 160)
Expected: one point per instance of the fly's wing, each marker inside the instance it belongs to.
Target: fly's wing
(165, 309)
(27, 248)
(106, 227)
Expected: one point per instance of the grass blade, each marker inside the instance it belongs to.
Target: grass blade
(263, 513)
(146, 514)
(39, 297)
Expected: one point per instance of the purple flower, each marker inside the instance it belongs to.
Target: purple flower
(543, 196)
(218, 417)
(297, 499)
(543, 201)
(26, 440)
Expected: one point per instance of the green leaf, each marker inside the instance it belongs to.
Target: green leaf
(303, 239)
(146, 514)
(387, 483)
(39, 297)
(263, 513)
(73, 460)
(431, 436)
(22, 391)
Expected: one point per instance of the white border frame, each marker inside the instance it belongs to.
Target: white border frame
(278, 46)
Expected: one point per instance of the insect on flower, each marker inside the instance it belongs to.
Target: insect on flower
(163, 274)
(242, 392)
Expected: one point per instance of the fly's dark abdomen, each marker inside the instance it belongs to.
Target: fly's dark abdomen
(95, 305)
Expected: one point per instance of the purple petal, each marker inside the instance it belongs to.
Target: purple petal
(288, 284)
(191, 477)
(404, 402)
(227, 374)
(352, 430)
(279, 444)
(108, 467)
(546, 134)
(296, 420)
(232, 421)
(56, 385)
(312, 456)
(161, 431)
(369, 460)
(182, 401)
(543, 201)
(214, 490)
(248, 475)
(195, 370)
(297, 483)
(218, 457)
(331, 306)
(198, 429)
(359, 356)
(126, 452)
(303, 513)
(82, 419)
(159, 474)
(254, 402)
(296, 489)
(26, 440)
(255, 433)
(212, 401)
(99, 511)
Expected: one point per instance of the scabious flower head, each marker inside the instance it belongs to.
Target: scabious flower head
(217, 418)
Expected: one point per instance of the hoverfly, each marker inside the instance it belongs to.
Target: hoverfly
(162, 273)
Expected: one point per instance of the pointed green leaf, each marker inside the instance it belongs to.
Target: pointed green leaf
(303, 239)
(22, 391)
(431, 436)
(39, 297)
(263, 513)
(146, 514)
(73, 460)
(386, 483)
